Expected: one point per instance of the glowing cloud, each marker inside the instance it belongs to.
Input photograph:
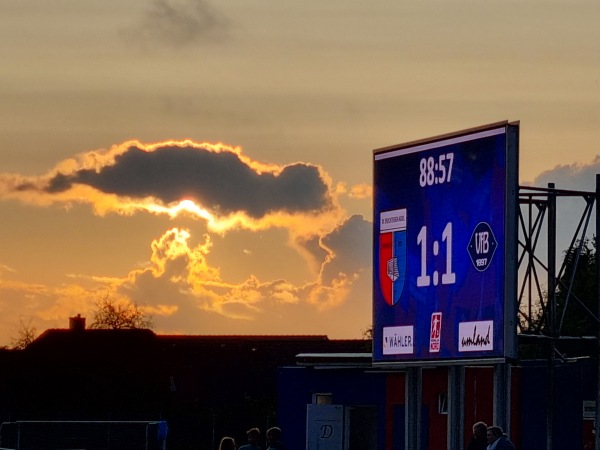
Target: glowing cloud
(182, 273)
(180, 283)
(361, 191)
(212, 182)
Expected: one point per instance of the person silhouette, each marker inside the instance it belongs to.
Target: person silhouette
(227, 443)
(253, 436)
(479, 439)
(274, 439)
(498, 440)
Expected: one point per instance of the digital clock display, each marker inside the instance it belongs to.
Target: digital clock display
(444, 246)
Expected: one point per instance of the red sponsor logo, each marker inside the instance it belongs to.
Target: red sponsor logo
(435, 332)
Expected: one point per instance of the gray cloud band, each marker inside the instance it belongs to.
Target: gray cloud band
(221, 181)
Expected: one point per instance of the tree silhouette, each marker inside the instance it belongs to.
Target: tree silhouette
(114, 313)
(576, 298)
(25, 335)
(367, 333)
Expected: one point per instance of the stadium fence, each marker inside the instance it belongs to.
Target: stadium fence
(88, 435)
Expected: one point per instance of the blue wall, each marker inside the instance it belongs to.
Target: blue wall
(348, 387)
(573, 383)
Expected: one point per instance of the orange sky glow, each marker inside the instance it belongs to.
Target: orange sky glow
(212, 161)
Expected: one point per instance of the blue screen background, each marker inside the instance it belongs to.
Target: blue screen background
(475, 193)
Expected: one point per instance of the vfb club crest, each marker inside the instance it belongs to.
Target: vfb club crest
(392, 254)
(482, 246)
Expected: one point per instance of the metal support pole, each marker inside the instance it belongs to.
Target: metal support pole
(597, 418)
(552, 260)
(552, 314)
(502, 396)
(414, 391)
(456, 407)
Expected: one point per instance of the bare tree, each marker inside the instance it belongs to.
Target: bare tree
(114, 313)
(367, 333)
(25, 335)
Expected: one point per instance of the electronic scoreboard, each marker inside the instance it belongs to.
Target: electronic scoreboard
(444, 247)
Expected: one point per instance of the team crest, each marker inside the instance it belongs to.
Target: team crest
(392, 254)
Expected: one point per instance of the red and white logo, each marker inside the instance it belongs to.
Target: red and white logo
(435, 333)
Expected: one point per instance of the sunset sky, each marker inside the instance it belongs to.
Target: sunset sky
(212, 161)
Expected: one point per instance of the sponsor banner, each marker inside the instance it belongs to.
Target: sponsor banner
(398, 340)
(476, 336)
(435, 335)
(393, 220)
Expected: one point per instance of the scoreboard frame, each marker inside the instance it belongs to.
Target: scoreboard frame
(445, 248)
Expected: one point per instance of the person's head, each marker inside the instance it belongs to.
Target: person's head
(253, 435)
(273, 434)
(227, 443)
(493, 434)
(480, 430)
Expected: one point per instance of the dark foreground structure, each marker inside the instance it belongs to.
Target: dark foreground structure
(204, 387)
(323, 393)
(341, 402)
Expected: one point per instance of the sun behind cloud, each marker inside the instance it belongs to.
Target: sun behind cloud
(223, 189)
(216, 183)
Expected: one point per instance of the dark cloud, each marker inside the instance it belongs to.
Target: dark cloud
(179, 23)
(569, 208)
(571, 176)
(351, 243)
(218, 181)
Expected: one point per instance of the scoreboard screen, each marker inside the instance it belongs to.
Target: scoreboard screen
(444, 242)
